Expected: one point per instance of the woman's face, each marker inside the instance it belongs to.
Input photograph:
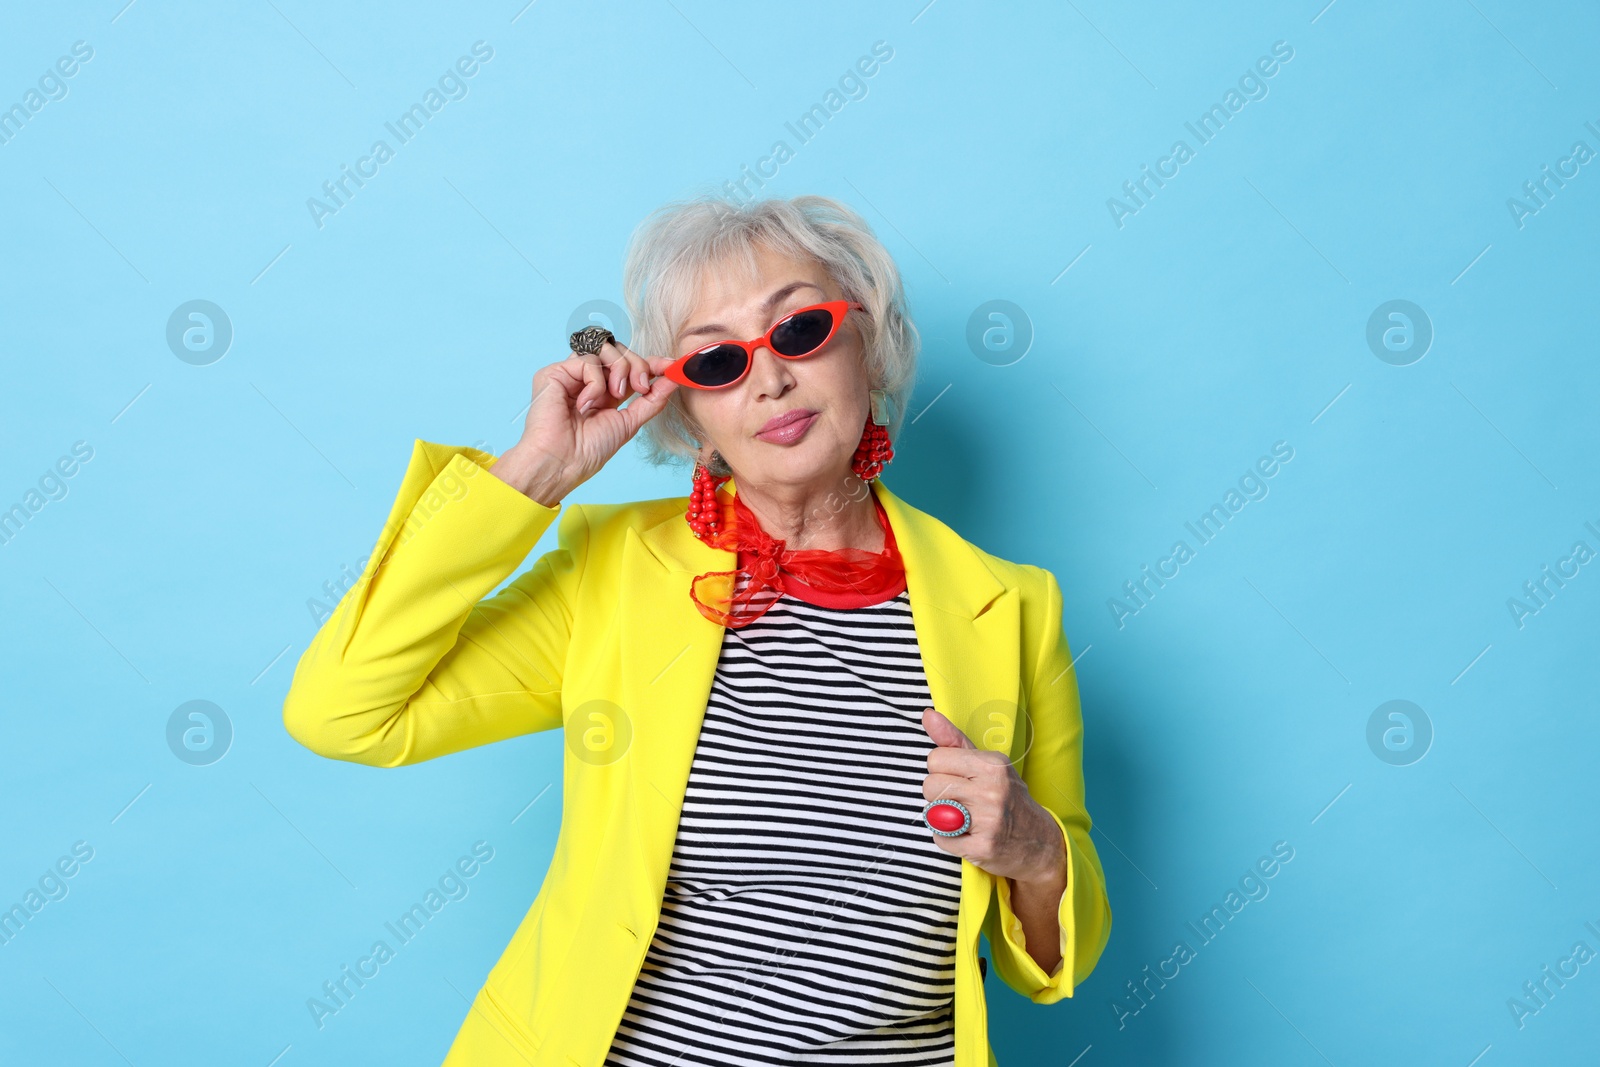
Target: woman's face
(831, 384)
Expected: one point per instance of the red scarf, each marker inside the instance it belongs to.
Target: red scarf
(844, 578)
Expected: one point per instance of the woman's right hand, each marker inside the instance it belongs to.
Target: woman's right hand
(576, 422)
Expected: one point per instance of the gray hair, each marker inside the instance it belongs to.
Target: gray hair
(671, 248)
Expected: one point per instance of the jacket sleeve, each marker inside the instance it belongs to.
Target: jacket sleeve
(1053, 771)
(413, 663)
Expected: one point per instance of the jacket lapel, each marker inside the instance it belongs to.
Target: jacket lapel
(967, 623)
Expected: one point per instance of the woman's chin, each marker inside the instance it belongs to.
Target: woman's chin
(799, 465)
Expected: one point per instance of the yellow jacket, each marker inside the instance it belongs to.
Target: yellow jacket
(599, 637)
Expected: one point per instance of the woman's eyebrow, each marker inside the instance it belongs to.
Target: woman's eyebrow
(772, 302)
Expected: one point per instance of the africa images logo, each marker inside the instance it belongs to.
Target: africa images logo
(452, 85)
(1252, 85)
(453, 885)
(1253, 887)
(1137, 593)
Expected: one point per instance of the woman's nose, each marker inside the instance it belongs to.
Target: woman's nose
(768, 371)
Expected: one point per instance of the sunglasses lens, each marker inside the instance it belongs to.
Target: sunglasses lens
(802, 333)
(714, 366)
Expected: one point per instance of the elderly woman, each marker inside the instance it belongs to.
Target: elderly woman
(815, 741)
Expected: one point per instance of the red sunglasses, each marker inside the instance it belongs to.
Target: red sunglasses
(797, 335)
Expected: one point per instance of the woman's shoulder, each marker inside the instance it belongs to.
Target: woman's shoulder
(1031, 578)
(952, 543)
(609, 521)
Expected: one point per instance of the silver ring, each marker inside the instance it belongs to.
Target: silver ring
(589, 339)
(966, 817)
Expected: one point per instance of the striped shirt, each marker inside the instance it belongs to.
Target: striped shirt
(808, 916)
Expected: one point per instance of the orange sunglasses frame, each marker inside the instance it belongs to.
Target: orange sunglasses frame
(837, 307)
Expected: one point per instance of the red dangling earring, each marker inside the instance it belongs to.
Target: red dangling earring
(874, 450)
(705, 513)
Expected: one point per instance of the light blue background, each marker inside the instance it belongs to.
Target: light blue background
(1226, 315)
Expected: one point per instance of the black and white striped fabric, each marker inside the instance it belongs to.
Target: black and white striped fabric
(809, 917)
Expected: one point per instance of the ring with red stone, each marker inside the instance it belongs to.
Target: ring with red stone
(947, 818)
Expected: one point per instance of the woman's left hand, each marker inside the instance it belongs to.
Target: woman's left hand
(1012, 835)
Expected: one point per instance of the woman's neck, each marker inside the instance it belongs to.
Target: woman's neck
(831, 520)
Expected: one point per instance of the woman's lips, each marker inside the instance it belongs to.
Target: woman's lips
(789, 432)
